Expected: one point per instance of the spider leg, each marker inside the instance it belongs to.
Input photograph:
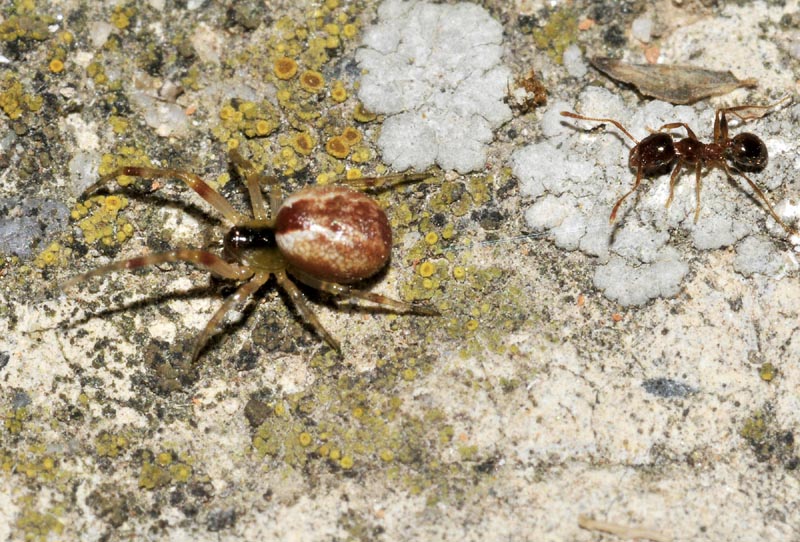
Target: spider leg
(790, 230)
(254, 180)
(697, 186)
(673, 180)
(233, 302)
(304, 309)
(636, 184)
(378, 299)
(192, 181)
(384, 181)
(200, 258)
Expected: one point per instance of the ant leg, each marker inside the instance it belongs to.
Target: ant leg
(733, 110)
(233, 302)
(378, 299)
(721, 121)
(193, 181)
(200, 258)
(636, 183)
(697, 185)
(673, 125)
(254, 180)
(384, 181)
(673, 180)
(594, 119)
(790, 230)
(301, 303)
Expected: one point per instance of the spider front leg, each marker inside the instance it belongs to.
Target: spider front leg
(193, 181)
(200, 258)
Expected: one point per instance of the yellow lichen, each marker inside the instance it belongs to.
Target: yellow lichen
(56, 65)
(263, 127)
(302, 143)
(386, 456)
(227, 112)
(121, 17)
(101, 222)
(346, 462)
(338, 92)
(426, 269)
(352, 136)
(164, 458)
(350, 31)
(285, 68)
(361, 114)
(337, 147)
(312, 81)
(14, 101)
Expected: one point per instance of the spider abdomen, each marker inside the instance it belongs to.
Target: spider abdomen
(333, 233)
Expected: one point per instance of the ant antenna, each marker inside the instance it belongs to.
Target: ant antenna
(612, 121)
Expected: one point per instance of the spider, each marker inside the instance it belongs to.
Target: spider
(326, 237)
(659, 151)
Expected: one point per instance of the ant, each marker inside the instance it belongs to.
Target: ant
(659, 152)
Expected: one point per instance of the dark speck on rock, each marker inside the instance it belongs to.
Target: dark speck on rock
(668, 388)
(221, 519)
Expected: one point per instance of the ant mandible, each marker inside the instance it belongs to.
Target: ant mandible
(659, 151)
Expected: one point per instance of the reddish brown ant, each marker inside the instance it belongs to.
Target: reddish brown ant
(659, 152)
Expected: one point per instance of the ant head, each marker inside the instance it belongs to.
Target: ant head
(747, 152)
(653, 154)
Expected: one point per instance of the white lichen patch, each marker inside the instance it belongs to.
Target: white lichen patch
(436, 72)
(578, 171)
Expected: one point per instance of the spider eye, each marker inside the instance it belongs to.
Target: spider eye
(747, 152)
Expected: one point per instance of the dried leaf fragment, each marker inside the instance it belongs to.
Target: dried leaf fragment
(674, 83)
(590, 524)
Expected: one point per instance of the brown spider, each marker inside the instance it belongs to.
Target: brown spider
(659, 151)
(324, 236)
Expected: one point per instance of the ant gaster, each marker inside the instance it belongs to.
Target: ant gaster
(659, 152)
